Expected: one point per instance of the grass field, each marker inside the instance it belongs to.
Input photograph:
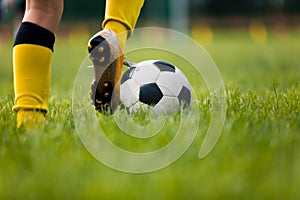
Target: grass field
(257, 156)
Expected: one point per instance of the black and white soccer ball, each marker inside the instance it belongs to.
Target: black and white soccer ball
(157, 85)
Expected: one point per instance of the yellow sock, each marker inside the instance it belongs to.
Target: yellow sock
(31, 81)
(120, 30)
(122, 16)
(32, 55)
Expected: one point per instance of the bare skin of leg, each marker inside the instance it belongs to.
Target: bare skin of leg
(45, 13)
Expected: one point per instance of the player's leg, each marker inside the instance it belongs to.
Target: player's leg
(32, 53)
(120, 17)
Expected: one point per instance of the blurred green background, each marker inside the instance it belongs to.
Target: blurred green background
(256, 46)
(243, 37)
(161, 12)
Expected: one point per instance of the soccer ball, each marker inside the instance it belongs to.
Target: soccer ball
(157, 85)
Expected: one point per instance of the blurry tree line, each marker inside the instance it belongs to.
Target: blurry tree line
(159, 9)
(244, 7)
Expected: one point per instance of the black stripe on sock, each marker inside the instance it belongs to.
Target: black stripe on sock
(30, 33)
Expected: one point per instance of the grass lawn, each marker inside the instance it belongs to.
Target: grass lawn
(257, 156)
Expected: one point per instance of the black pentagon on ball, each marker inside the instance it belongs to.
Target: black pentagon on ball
(150, 94)
(127, 75)
(184, 96)
(164, 66)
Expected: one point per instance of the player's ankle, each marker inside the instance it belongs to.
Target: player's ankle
(120, 30)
